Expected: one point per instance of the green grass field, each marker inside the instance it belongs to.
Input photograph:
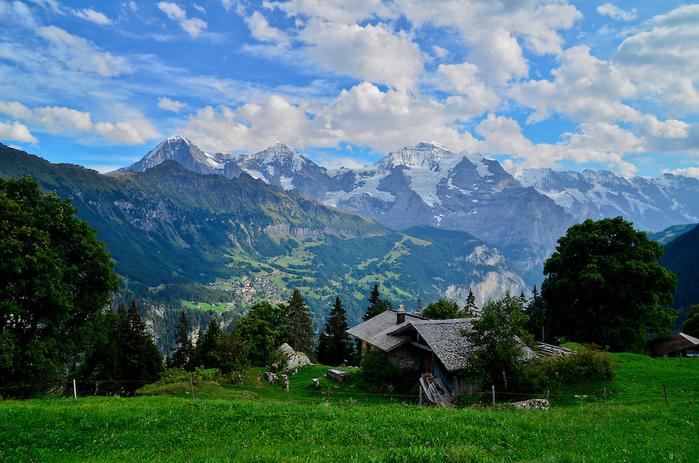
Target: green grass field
(253, 421)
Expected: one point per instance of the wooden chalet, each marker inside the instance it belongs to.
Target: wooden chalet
(419, 345)
(677, 342)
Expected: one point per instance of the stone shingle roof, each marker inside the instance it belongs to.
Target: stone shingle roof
(445, 339)
(376, 331)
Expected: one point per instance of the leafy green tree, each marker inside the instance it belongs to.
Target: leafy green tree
(691, 324)
(604, 285)
(442, 310)
(378, 371)
(300, 324)
(335, 346)
(376, 304)
(55, 279)
(230, 354)
(183, 345)
(499, 333)
(471, 308)
(535, 311)
(263, 329)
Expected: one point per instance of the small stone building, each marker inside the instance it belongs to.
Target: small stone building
(419, 345)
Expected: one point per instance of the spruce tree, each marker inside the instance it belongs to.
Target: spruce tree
(376, 304)
(299, 324)
(183, 344)
(471, 308)
(335, 346)
(536, 313)
(419, 306)
(204, 354)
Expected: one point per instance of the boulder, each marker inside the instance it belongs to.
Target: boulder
(532, 404)
(271, 377)
(295, 359)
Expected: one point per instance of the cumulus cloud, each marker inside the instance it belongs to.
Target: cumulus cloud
(16, 132)
(687, 172)
(170, 105)
(262, 31)
(192, 26)
(372, 53)
(18, 13)
(93, 16)
(67, 120)
(362, 115)
(79, 54)
(616, 13)
(664, 59)
(464, 78)
(338, 11)
(595, 142)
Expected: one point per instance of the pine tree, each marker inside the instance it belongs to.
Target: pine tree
(335, 346)
(471, 308)
(376, 304)
(204, 354)
(419, 306)
(300, 324)
(536, 312)
(183, 344)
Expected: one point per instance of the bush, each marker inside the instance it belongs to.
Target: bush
(379, 372)
(585, 365)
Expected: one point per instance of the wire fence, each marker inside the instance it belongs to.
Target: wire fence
(329, 393)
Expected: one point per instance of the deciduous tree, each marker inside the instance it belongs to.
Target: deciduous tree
(263, 329)
(443, 310)
(55, 280)
(604, 285)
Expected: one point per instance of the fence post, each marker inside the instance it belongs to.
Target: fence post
(493, 395)
(665, 389)
(75, 390)
(421, 395)
(547, 394)
(328, 394)
(191, 383)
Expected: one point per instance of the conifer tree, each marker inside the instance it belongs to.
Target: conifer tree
(376, 304)
(335, 346)
(419, 306)
(536, 312)
(299, 324)
(471, 308)
(183, 344)
(205, 352)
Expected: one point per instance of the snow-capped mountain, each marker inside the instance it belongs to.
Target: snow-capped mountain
(182, 151)
(651, 204)
(424, 184)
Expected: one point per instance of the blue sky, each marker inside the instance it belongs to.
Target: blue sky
(532, 83)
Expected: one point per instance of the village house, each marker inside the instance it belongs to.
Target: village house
(421, 346)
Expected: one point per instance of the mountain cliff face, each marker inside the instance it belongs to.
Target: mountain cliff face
(422, 185)
(651, 204)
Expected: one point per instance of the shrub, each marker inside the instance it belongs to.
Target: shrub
(379, 372)
(585, 365)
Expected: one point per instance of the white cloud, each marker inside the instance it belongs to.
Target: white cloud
(199, 8)
(616, 13)
(440, 52)
(500, 57)
(596, 142)
(584, 87)
(363, 115)
(52, 5)
(464, 78)
(81, 55)
(94, 16)
(262, 31)
(192, 26)
(70, 121)
(687, 172)
(18, 13)
(339, 11)
(664, 61)
(170, 105)
(16, 132)
(372, 53)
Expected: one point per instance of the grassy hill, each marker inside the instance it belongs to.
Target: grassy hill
(252, 422)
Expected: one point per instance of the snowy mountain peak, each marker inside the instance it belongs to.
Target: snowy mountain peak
(177, 140)
(422, 155)
(281, 154)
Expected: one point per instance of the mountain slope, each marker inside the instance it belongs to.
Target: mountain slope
(168, 227)
(651, 204)
(682, 257)
(421, 185)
